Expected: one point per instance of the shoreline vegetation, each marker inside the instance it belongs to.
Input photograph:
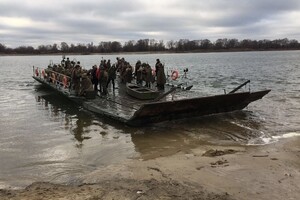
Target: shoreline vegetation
(147, 46)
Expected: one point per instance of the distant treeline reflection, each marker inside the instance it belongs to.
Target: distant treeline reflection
(152, 45)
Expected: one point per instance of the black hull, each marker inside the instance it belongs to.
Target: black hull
(139, 113)
(162, 111)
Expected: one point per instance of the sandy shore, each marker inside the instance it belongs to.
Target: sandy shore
(208, 172)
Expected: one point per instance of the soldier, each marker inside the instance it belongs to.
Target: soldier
(104, 81)
(160, 75)
(98, 74)
(68, 63)
(108, 64)
(128, 73)
(86, 85)
(63, 62)
(94, 77)
(76, 79)
(157, 65)
(112, 74)
(138, 73)
(148, 75)
(103, 78)
(122, 70)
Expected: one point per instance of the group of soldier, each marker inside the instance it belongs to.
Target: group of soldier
(144, 73)
(99, 77)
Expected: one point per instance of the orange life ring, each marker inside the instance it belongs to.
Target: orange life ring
(65, 81)
(174, 75)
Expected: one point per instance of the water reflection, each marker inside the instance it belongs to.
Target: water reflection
(160, 144)
(163, 139)
(78, 131)
(168, 138)
(73, 118)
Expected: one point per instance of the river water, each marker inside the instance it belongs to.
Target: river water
(45, 137)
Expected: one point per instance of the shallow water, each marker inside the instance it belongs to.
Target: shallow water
(44, 136)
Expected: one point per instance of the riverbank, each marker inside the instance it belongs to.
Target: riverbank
(147, 52)
(206, 172)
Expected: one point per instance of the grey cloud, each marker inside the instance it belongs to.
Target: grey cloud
(236, 12)
(91, 20)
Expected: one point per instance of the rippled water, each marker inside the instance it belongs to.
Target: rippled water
(44, 136)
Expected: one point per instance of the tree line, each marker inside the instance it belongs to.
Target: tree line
(152, 45)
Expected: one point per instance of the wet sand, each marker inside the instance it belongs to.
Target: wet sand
(207, 172)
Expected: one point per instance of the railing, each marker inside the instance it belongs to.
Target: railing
(52, 77)
(239, 87)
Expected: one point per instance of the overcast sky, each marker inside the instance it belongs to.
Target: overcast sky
(35, 22)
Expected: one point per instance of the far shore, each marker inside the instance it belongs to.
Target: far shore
(150, 52)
